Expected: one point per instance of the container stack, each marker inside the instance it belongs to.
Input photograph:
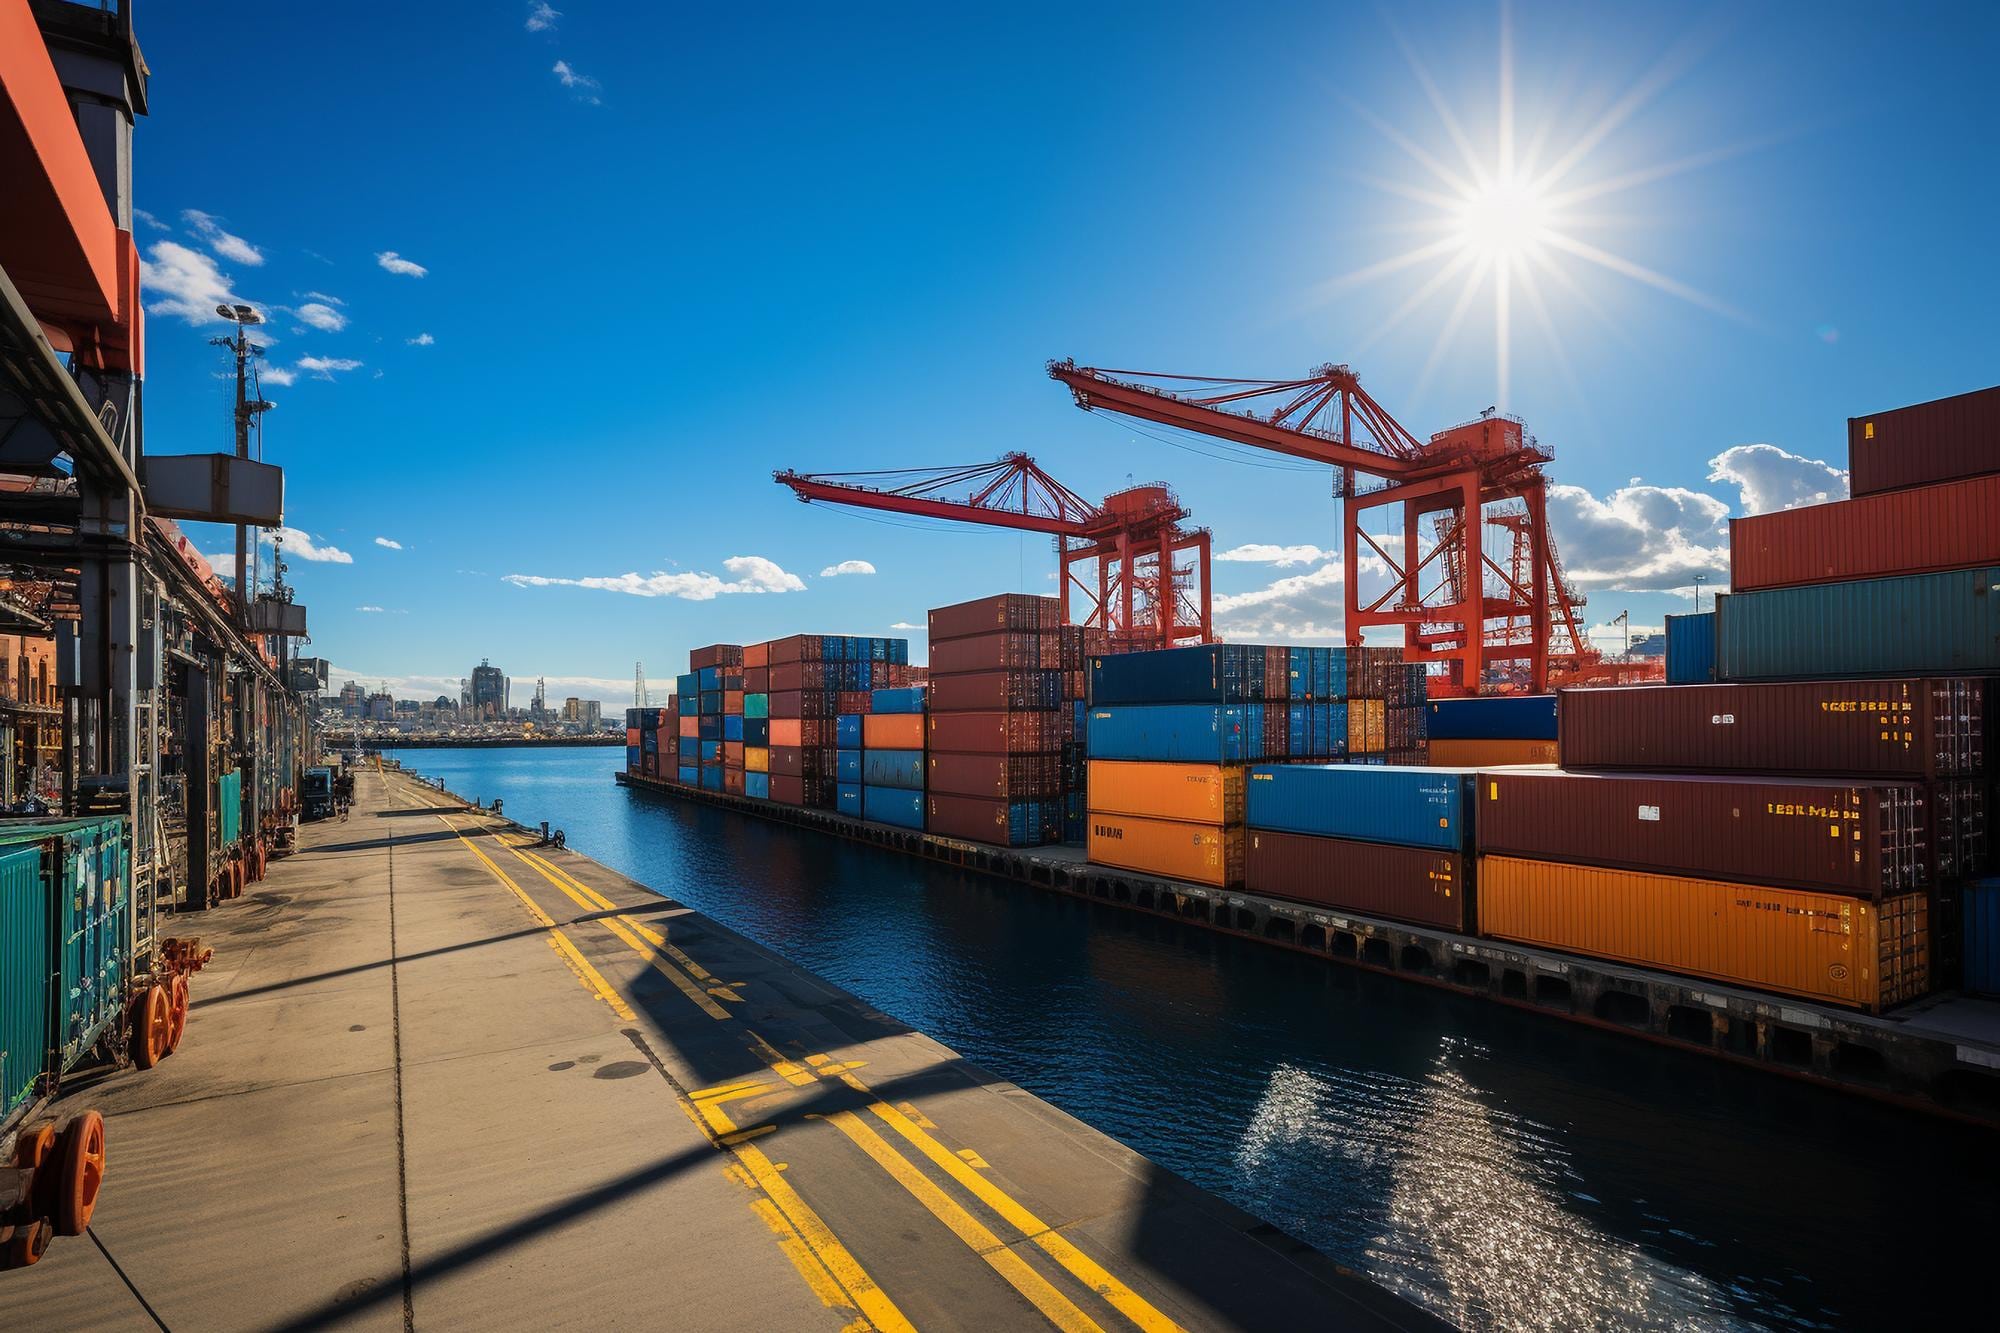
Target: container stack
(710, 666)
(757, 721)
(998, 716)
(891, 787)
(811, 679)
(1493, 730)
(687, 691)
(1381, 841)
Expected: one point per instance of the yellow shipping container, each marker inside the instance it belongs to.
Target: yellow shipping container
(1174, 849)
(1367, 726)
(1198, 793)
(1490, 754)
(1818, 945)
(756, 759)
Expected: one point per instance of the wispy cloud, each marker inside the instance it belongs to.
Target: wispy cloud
(421, 340)
(321, 296)
(208, 228)
(904, 624)
(301, 545)
(278, 375)
(185, 283)
(371, 610)
(148, 218)
(542, 16)
(326, 367)
(751, 574)
(390, 543)
(395, 263)
(1265, 553)
(585, 87)
(322, 317)
(847, 567)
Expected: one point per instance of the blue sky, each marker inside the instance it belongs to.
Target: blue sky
(664, 250)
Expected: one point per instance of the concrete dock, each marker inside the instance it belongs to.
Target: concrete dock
(437, 1076)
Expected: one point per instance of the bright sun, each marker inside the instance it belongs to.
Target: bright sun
(1504, 220)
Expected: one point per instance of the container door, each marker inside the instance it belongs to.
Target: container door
(25, 967)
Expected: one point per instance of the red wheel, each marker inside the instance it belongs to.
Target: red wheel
(79, 1165)
(31, 1149)
(152, 1016)
(177, 1012)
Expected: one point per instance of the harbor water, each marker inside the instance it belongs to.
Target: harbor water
(1505, 1169)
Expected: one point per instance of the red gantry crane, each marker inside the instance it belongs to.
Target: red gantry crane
(1484, 629)
(1139, 588)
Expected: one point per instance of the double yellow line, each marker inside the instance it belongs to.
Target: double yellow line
(802, 1233)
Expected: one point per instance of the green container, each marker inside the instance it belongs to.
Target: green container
(229, 808)
(27, 968)
(756, 705)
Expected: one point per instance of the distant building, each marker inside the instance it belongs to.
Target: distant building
(585, 713)
(353, 700)
(489, 690)
(381, 708)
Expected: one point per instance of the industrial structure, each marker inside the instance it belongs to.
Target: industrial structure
(1126, 563)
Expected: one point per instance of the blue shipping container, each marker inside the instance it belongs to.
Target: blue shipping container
(1411, 807)
(1691, 649)
(893, 805)
(1982, 936)
(847, 799)
(1923, 624)
(688, 686)
(907, 700)
(1171, 733)
(711, 703)
(631, 759)
(1212, 673)
(711, 678)
(756, 731)
(757, 786)
(690, 774)
(847, 731)
(710, 727)
(711, 752)
(690, 749)
(732, 727)
(1498, 717)
(711, 777)
(901, 769)
(847, 766)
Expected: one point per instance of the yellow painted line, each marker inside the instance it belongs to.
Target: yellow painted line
(725, 1089)
(1056, 1307)
(563, 879)
(871, 1300)
(794, 1248)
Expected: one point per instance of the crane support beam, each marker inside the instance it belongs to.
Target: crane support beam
(963, 511)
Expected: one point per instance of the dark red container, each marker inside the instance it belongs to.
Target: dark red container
(787, 676)
(732, 754)
(856, 701)
(794, 648)
(787, 703)
(787, 790)
(1005, 611)
(756, 680)
(716, 655)
(1868, 840)
(786, 761)
(1012, 650)
(1960, 836)
(992, 733)
(732, 780)
(1924, 443)
(974, 818)
(1416, 884)
(992, 691)
(1018, 777)
(1860, 728)
(1954, 525)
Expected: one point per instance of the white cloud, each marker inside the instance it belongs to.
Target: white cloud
(904, 624)
(232, 247)
(1639, 538)
(184, 282)
(1264, 553)
(322, 317)
(321, 296)
(582, 85)
(148, 218)
(753, 574)
(542, 16)
(847, 567)
(392, 545)
(395, 263)
(1767, 477)
(371, 610)
(300, 545)
(277, 375)
(421, 340)
(326, 367)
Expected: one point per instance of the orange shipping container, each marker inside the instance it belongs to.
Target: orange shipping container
(732, 754)
(1173, 849)
(756, 759)
(756, 655)
(1490, 753)
(1367, 726)
(732, 702)
(631, 736)
(1197, 793)
(1824, 947)
(785, 732)
(691, 727)
(893, 731)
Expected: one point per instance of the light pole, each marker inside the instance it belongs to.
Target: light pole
(243, 317)
(1699, 579)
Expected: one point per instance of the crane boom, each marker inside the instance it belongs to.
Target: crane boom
(1011, 492)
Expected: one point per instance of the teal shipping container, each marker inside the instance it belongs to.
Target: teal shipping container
(1691, 649)
(27, 968)
(229, 808)
(756, 705)
(1410, 807)
(1919, 625)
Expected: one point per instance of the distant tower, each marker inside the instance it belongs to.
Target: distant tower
(489, 690)
(640, 698)
(540, 706)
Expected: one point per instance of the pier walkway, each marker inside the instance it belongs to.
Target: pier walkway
(438, 1077)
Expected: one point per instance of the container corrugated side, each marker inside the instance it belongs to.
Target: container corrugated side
(1413, 807)
(1845, 951)
(1947, 526)
(901, 769)
(1194, 793)
(1489, 754)
(893, 731)
(1871, 840)
(1171, 733)
(1925, 442)
(1925, 624)
(1173, 849)
(1501, 717)
(27, 963)
(1981, 937)
(1210, 673)
(893, 805)
(1425, 885)
(1691, 649)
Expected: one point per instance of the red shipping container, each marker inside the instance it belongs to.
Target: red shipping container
(716, 655)
(732, 780)
(1416, 884)
(856, 701)
(732, 702)
(971, 817)
(691, 727)
(756, 655)
(992, 733)
(787, 703)
(1860, 728)
(987, 691)
(816, 732)
(786, 761)
(756, 680)
(1869, 840)
(1955, 525)
(732, 754)
(1925, 443)
(987, 615)
(787, 790)
(632, 737)
(1013, 650)
(1018, 777)
(791, 648)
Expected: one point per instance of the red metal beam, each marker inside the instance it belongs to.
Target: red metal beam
(809, 489)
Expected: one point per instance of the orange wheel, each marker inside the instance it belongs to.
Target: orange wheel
(236, 879)
(31, 1149)
(152, 1016)
(79, 1165)
(177, 1011)
(29, 1244)
(263, 861)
